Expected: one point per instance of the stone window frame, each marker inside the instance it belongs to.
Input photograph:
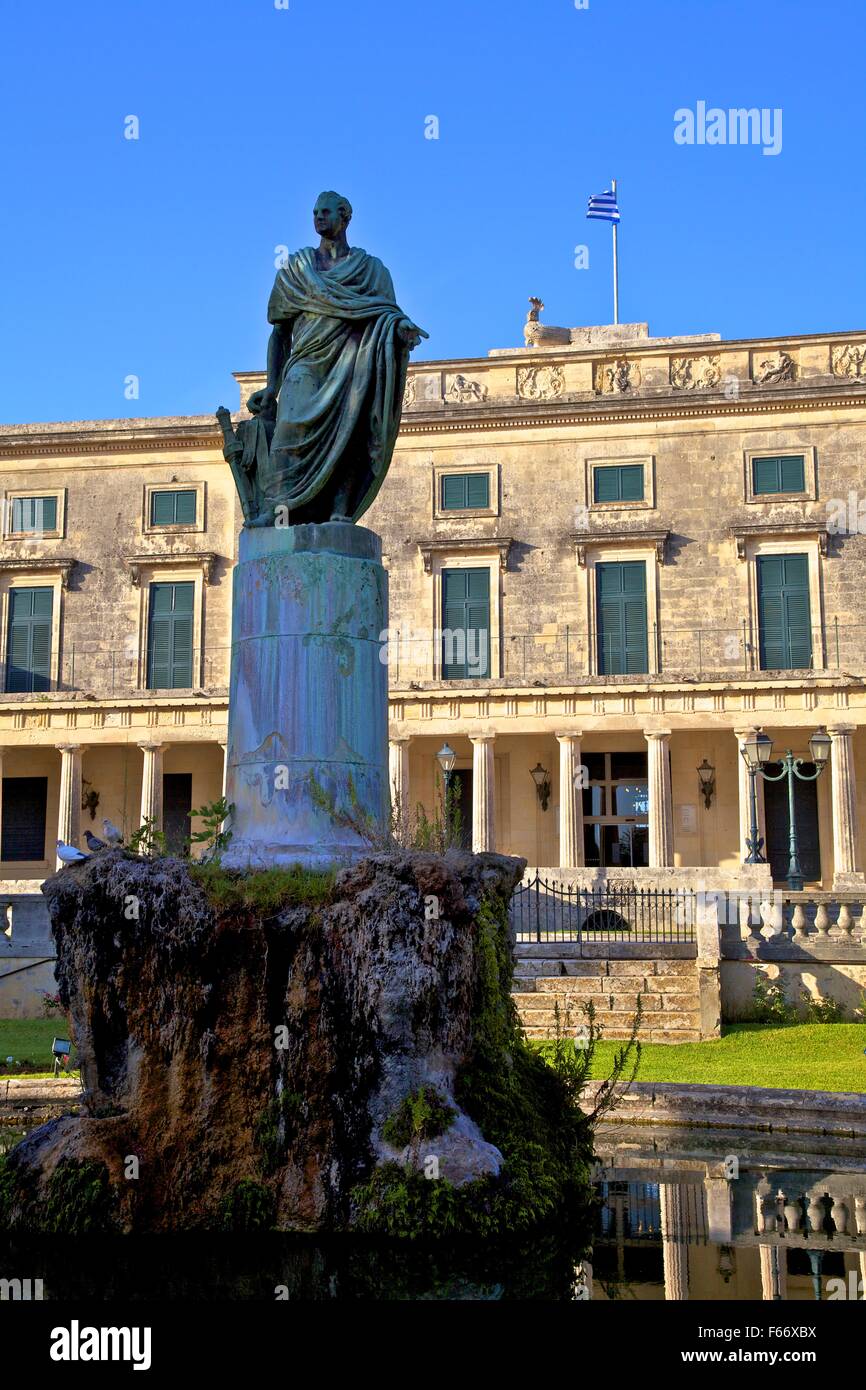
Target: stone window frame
(31, 537)
(441, 470)
(810, 475)
(490, 555)
(199, 525)
(645, 504)
(47, 576)
(596, 552)
(782, 544)
(167, 570)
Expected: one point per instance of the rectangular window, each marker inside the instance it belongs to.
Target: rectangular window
(176, 508)
(169, 646)
(623, 483)
(622, 618)
(34, 514)
(25, 800)
(465, 624)
(28, 644)
(616, 812)
(784, 612)
(465, 491)
(784, 473)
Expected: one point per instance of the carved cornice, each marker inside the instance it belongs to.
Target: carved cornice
(742, 532)
(474, 544)
(206, 559)
(493, 414)
(47, 564)
(645, 539)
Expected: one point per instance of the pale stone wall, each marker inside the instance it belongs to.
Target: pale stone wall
(21, 986)
(843, 981)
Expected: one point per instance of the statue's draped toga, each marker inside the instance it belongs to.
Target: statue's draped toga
(341, 389)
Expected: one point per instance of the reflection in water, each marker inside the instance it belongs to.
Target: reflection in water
(692, 1215)
(681, 1214)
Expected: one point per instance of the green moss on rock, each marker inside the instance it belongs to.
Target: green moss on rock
(423, 1114)
(268, 890)
(80, 1199)
(248, 1207)
(7, 1192)
(276, 1127)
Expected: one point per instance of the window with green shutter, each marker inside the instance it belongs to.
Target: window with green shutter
(169, 646)
(622, 482)
(28, 643)
(784, 612)
(25, 803)
(622, 618)
(781, 473)
(34, 514)
(465, 624)
(175, 508)
(464, 491)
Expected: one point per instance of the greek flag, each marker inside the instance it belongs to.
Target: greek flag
(603, 206)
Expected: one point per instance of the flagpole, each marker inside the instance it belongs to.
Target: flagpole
(615, 271)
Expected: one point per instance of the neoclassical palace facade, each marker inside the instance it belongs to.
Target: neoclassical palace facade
(609, 559)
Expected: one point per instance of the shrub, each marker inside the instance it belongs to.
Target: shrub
(821, 1010)
(769, 1004)
(423, 1114)
(248, 1207)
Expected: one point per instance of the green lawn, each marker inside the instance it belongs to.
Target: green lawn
(806, 1056)
(28, 1041)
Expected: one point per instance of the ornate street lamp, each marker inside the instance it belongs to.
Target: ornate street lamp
(819, 750)
(446, 758)
(756, 752)
(541, 778)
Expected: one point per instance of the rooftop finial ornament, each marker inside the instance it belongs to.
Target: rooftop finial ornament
(538, 334)
(323, 429)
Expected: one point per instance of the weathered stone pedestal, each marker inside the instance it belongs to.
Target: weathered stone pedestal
(308, 708)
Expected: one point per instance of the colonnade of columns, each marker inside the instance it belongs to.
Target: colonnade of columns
(843, 795)
(846, 857)
(69, 826)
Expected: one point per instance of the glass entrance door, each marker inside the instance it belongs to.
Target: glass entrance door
(616, 811)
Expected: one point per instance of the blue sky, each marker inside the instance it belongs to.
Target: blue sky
(155, 257)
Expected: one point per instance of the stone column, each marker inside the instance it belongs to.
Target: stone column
(309, 767)
(483, 793)
(224, 748)
(151, 784)
(69, 811)
(661, 812)
(743, 783)
(570, 802)
(675, 1241)
(774, 1272)
(398, 776)
(846, 857)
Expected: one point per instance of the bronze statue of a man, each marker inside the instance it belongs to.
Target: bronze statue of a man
(324, 427)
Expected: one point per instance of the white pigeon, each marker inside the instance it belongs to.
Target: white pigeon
(111, 832)
(68, 854)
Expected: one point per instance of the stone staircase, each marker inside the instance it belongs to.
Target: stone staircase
(547, 975)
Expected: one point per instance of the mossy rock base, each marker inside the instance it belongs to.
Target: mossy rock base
(330, 1055)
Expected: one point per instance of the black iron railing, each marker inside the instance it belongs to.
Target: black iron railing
(547, 910)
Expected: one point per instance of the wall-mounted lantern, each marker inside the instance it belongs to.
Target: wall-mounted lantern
(707, 779)
(541, 778)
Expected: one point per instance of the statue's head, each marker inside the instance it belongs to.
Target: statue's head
(332, 214)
